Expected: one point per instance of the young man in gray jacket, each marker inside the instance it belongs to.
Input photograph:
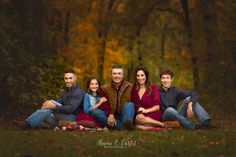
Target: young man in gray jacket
(170, 98)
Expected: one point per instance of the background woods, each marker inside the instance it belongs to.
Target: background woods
(41, 38)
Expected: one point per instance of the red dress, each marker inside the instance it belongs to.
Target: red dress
(87, 120)
(147, 101)
(84, 117)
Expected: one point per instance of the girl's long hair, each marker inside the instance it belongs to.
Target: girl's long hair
(89, 81)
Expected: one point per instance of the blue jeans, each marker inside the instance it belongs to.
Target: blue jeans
(127, 113)
(47, 116)
(201, 115)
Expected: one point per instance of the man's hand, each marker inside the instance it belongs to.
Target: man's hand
(190, 113)
(48, 105)
(111, 120)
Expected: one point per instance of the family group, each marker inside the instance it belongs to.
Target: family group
(121, 105)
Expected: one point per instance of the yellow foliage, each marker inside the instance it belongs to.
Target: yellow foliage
(112, 44)
(120, 8)
(114, 55)
(184, 53)
(168, 55)
(78, 69)
(93, 16)
(94, 4)
(86, 26)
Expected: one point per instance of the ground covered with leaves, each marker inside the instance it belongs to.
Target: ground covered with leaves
(32, 143)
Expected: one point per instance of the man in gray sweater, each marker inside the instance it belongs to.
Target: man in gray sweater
(65, 108)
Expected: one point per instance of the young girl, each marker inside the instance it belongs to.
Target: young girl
(92, 100)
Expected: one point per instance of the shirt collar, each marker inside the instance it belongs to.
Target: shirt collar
(91, 94)
(163, 90)
(73, 87)
(114, 85)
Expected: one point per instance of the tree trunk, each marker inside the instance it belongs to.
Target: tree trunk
(139, 46)
(101, 52)
(189, 34)
(163, 39)
(131, 67)
(210, 38)
(66, 28)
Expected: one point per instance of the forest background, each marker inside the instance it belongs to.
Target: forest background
(39, 39)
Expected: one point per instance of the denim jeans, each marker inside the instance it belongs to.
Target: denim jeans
(48, 116)
(201, 115)
(127, 113)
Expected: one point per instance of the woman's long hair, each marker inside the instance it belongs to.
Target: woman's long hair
(147, 82)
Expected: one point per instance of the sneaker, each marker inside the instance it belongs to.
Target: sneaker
(128, 125)
(56, 128)
(171, 124)
(22, 124)
(105, 129)
(90, 129)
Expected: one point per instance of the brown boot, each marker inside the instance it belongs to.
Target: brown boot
(171, 124)
(22, 124)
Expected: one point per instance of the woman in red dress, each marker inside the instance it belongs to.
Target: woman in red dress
(146, 98)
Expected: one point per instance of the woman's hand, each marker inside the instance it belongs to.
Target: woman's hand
(142, 110)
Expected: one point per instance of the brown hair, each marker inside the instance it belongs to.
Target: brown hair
(69, 71)
(167, 72)
(89, 81)
(147, 82)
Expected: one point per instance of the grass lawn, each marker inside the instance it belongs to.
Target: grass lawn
(210, 143)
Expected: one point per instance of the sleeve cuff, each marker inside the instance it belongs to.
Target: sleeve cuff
(90, 109)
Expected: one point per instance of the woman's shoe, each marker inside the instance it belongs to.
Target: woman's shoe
(171, 124)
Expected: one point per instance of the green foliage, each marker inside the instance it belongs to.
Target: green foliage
(27, 73)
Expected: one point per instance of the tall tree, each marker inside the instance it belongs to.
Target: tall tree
(189, 41)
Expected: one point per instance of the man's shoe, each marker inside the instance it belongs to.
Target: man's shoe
(198, 127)
(207, 126)
(22, 124)
(128, 125)
(171, 124)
